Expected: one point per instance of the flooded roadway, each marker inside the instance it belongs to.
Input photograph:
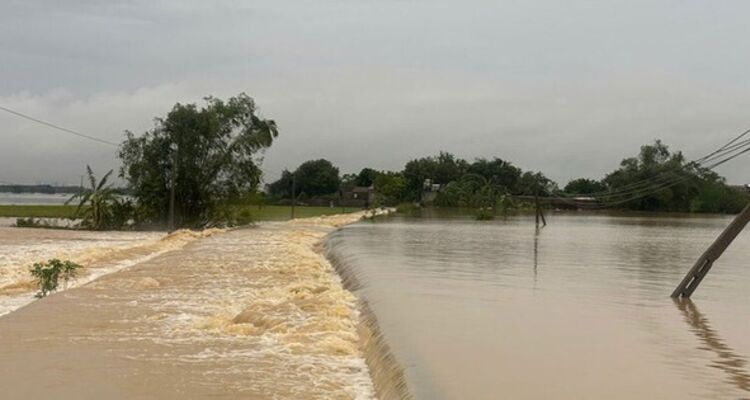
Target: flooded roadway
(250, 313)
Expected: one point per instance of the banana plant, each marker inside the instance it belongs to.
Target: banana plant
(95, 202)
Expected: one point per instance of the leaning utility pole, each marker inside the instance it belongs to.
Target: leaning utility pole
(696, 274)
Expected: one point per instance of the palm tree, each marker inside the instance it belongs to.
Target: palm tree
(98, 200)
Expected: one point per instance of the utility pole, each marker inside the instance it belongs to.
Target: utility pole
(696, 274)
(294, 196)
(539, 212)
(172, 189)
(80, 190)
(341, 200)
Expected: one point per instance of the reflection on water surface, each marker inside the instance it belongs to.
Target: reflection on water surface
(580, 309)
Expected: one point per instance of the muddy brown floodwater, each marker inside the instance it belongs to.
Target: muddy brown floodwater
(249, 313)
(446, 308)
(581, 310)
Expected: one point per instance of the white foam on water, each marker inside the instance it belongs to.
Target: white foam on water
(100, 253)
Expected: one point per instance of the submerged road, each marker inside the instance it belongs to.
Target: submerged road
(249, 313)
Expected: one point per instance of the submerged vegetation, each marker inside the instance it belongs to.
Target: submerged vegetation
(48, 275)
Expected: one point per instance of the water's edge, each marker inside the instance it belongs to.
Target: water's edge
(386, 373)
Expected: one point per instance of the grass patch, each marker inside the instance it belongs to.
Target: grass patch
(37, 211)
(267, 213)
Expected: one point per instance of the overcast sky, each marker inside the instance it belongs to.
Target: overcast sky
(566, 87)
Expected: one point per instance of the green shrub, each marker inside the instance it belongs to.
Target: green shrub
(407, 208)
(48, 274)
(485, 214)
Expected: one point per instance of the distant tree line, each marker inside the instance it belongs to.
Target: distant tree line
(45, 189)
(672, 185)
(199, 165)
(654, 180)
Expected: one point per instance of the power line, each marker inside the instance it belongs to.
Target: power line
(60, 128)
(666, 176)
(643, 188)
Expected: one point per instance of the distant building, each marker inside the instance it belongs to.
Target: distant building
(430, 191)
(358, 196)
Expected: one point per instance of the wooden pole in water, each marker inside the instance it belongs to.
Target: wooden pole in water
(696, 274)
(539, 212)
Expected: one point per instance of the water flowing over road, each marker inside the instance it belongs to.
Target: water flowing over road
(249, 313)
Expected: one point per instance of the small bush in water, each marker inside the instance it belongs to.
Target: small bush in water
(48, 274)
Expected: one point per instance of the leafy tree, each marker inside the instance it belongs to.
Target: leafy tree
(317, 177)
(390, 186)
(282, 188)
(366, 177)
(349, 181)
(584, 186)
(654, 163)
(535, 183)
(314, 178)
(441, 169)
(98, 205)
(210, 154)
(498, 171)
(477, 192)
(671, 184)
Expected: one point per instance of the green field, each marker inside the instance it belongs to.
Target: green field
(267, 213)
(46, 211)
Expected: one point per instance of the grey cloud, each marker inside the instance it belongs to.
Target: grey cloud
(568, 88)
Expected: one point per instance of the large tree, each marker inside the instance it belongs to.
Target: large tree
(441, 169)
(584, 186)
(313, 178)
(211, 154)
(497, 172)
(660, 180)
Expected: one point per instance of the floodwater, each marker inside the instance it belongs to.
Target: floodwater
(578, 310)
(34, 198)
(252, 313)
(100, 253)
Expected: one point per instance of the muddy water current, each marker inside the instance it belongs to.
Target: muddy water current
(99, 252)
(254, 313)
(578, 310)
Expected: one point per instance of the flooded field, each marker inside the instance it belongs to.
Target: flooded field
(580, 310)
